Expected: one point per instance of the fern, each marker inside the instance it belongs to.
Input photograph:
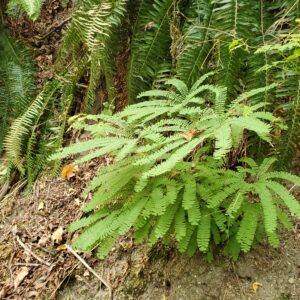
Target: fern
(149, 45)
(17, 81)
(204, 231)
(22, 126)
(194, 56)
(32, 7)
(168, 174)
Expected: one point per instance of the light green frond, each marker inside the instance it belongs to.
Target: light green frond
(203, 233)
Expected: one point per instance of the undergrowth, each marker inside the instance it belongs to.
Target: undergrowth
(194, 163)
(172, 176)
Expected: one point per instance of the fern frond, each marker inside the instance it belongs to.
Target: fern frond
(88, 220)
(174, 158)
(268, 206)
(22, 126)
(195, 52)
(246, 233)
(289, 200)
(32, 7)
(180, 224)
(189, 195)
(164, 222)
(203, 233)
(148, 48)
(106, 245)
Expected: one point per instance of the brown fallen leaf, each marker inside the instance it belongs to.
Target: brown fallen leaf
(41, 206)
(61, 247)
(149, 26)
(20, 276)
(189, 134)
(43, 240)
(255, 286)
(69, 171)
(56, 237)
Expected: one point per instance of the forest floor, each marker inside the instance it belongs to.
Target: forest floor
(34, 264)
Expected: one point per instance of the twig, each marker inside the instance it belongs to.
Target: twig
(91, 270)
(27, 264)
(292, 187)
(31, 253)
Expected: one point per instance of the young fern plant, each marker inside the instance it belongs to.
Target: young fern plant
(169, 179)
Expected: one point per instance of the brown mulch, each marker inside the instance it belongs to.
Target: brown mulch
(30, 222)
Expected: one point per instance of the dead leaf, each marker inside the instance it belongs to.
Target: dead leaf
(149, 26)
(61, 247)
(77, 201)
(174, 174)
(5, 251)
(189, 134)
(69, 171)
(255, 286)
(41, 206)
(20, 276)
(43, 240)
(56, 237)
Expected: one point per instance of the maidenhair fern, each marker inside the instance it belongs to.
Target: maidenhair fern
(169, 174)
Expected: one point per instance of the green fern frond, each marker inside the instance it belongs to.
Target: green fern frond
(268, 206)
(88, 220)
(204, 232)
(106, 245)
(164, 222)
(289, 200)
(194, 213)
(32, 7)
(22, 126)
(189, 195)
(246, 233)
(180, 224)
(149, 45)
(194, 55)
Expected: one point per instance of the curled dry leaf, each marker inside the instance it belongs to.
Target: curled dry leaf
(61, 247)
(149, 26)
(189, 134)
(255, 286)
(20, 276)
(69, 171)
(56, 237)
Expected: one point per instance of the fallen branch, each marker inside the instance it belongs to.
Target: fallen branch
(31, 253)
(91, 270)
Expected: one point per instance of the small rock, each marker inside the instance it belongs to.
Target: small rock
(291, 280)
